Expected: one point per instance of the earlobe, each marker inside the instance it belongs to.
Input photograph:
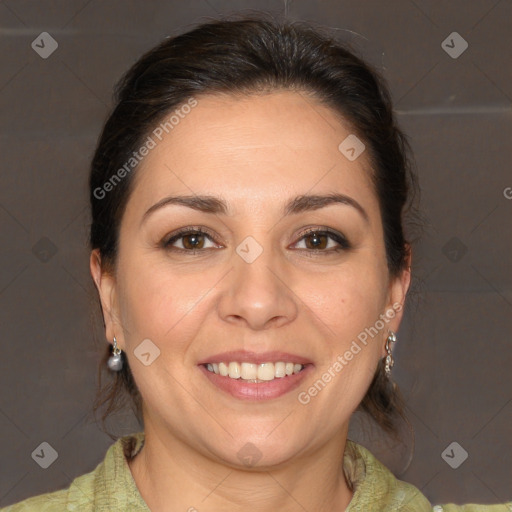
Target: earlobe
(398, 292)
(105, 284)
(95, 267)
(401, 284)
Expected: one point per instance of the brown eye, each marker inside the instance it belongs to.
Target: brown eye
(191, 240)
(323, 241)
(317, 240)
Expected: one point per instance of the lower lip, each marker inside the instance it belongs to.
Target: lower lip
(268, 390)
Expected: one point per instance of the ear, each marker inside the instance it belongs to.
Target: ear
(106, 285)
(398, 288)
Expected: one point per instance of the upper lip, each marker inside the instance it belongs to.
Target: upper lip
(244, 356)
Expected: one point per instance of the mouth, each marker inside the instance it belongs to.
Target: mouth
(256, 382)
(255, 373)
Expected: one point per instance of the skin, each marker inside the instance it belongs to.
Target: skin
(255, 152)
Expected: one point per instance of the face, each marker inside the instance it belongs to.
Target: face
(276, 280)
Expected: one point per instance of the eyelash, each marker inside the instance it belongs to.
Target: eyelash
(344, 244)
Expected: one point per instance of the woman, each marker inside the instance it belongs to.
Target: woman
(248, 195)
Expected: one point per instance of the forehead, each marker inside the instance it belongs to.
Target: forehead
(251, 150)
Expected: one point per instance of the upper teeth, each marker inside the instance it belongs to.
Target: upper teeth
(254, 372)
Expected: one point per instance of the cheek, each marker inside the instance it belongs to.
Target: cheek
(349, 303)
(347, 300)
(350, 355)
(158, 303)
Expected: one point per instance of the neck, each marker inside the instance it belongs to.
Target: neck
(172, 475)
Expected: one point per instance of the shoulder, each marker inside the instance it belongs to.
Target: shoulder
(376, 488)
(78, 496)
(473, 507)
(49, 502)
(108, 487)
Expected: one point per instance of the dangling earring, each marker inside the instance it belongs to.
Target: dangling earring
(389, 358)
(115, 363)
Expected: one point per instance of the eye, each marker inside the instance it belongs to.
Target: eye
(192, 240)
(317, 240)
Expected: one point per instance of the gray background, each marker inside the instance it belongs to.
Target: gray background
(453, 356)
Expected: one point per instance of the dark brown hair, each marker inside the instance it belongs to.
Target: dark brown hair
(250, 55)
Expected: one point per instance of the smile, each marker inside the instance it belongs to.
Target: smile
(243, 380)
(254, 373)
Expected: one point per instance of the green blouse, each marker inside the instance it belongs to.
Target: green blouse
(111, 487)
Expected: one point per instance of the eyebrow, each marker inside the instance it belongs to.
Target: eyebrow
(299, 204)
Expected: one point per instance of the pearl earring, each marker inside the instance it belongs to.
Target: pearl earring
(115, 363)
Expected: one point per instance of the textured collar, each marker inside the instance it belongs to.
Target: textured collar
(375, 487)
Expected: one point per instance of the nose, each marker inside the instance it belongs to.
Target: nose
(258, 293)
